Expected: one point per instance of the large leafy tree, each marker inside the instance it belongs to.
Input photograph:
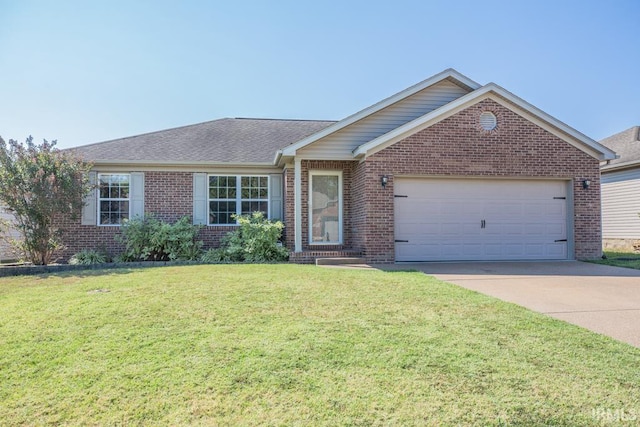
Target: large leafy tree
(39, 183)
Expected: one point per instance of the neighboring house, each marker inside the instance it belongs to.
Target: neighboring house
(621, 191)
(445, 170)
(6, 252)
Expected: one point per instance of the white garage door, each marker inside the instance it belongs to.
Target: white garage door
(478, 219)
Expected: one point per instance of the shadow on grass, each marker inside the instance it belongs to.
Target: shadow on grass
(66, 270)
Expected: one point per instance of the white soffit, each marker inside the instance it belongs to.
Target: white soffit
(507, 100)
(448, 73)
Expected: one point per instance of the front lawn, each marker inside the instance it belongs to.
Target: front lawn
(620, 259)
(301, 345)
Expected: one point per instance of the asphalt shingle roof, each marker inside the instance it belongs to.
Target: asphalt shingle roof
(226, 140)
(626, 144)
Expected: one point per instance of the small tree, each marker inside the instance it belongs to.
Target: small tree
(38, 183)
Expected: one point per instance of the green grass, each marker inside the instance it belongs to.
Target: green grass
(621, 259)
(294, 345)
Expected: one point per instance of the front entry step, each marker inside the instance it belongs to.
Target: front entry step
(340, 261)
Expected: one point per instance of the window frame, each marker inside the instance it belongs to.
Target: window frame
(337, 173)
(239, 199)
(100, 199)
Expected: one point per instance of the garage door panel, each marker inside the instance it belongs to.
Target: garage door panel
(557, 209)
(534, 209)
(451, 229)
(507, 230)
(556, 230)
(454, 207)
(556, 250)
(493, 250)
(443, 219)
(408, 251)
(534, 229)
(535, 249)
(502, 210)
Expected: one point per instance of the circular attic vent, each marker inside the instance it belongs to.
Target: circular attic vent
(488, 120)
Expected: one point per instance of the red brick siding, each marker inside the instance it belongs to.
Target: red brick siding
(347, 168)
(359, 204)
(458, 147)
(329, 165)
(289, 208)
(169, 195)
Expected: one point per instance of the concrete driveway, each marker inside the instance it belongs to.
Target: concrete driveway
(597, 297)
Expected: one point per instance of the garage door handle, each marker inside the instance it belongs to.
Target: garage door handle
(402, 241)
(561, 240)
(483, 223)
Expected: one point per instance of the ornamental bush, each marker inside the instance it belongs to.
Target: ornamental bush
(88, 257)
(256, 240)
(149, 239)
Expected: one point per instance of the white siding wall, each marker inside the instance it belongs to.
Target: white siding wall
(5, 253)
(339, 145)
(621, 205)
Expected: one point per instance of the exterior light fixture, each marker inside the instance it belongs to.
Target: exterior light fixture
(384, 180)
(586, 184)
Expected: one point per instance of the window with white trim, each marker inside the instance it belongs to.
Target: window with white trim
(113, 198)
(236, 194)
(325, 205)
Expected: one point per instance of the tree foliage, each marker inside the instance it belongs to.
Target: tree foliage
(37, 183)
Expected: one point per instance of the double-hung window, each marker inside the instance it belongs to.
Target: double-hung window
(113, 198)
(236, 195)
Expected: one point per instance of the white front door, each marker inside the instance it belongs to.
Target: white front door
(480, 219)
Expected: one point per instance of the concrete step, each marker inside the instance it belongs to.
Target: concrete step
(340, 261)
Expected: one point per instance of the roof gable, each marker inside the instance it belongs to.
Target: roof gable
(450, 75)
(503, 97)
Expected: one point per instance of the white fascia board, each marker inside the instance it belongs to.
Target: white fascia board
(178, 163)
(448, 73)
(186, 167)
(531, 112)
(277, 157)
(625, 165)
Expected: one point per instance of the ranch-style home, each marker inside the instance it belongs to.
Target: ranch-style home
(447, 169)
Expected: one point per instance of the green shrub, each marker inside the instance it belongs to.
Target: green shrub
(88, 257)
(150, 239)
(213, 256)
(256, 240)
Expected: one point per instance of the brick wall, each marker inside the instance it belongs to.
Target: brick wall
(329, 165)
(347, 168)
(169, 195)
(458, 147)
(289, 208)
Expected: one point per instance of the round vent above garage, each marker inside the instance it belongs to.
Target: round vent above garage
(488, 120)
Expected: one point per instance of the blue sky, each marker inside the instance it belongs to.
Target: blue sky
(89, 71)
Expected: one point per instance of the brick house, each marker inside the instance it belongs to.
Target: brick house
(446, 169)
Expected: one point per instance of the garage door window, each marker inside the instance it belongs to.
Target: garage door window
(325, 205)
